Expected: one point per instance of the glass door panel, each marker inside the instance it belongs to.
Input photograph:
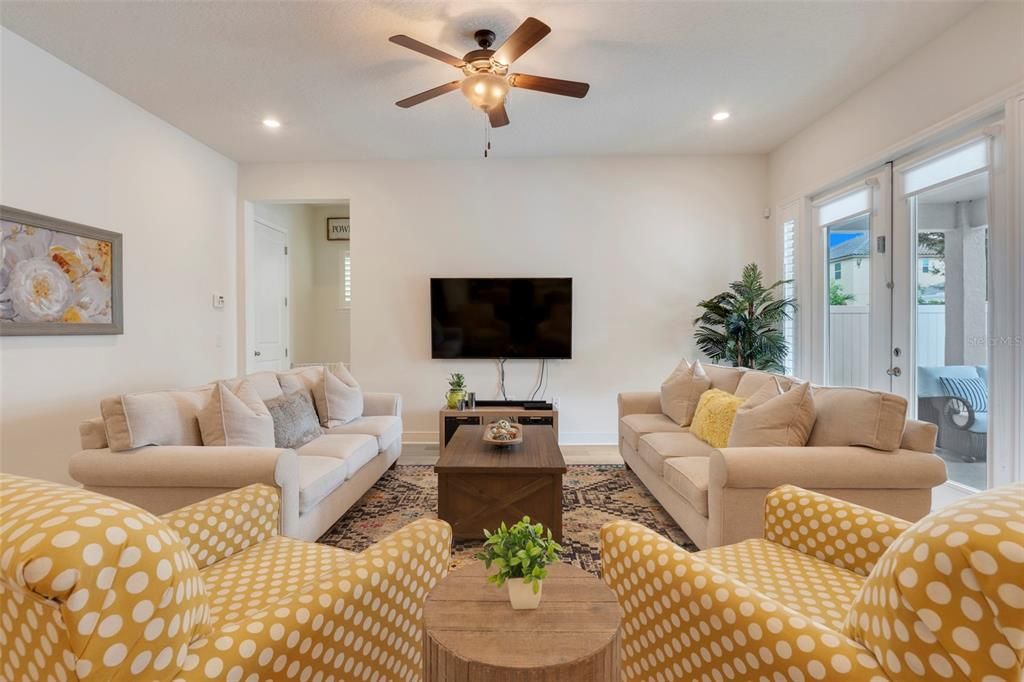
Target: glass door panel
(854, 300)
(944, 212)
(951, 313)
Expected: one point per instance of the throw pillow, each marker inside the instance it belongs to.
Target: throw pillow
(338, 397)
(133, 420)
(972, 391)
(681, 391)
(857, 416)
(772, 417)
(713, 418)
(236, 416)
(295, 421)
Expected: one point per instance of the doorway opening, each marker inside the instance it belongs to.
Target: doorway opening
(298, 285)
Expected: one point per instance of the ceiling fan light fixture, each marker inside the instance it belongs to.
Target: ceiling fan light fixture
(485, 90)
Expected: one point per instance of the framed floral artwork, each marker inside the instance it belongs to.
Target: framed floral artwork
(58, 277)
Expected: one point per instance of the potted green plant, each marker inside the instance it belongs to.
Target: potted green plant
(456, 390)
(521, 554)
(743, 326)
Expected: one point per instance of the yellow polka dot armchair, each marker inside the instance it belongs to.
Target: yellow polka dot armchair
(834, 591)
(93, 588)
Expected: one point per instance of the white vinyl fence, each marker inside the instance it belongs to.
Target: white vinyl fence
(849, 336)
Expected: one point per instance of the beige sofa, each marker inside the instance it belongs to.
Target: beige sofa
(318, 482)
(717, 495)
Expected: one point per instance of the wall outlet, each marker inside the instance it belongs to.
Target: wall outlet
(554, 403)
(218, 300)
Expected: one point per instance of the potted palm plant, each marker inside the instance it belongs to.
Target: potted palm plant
(743, 326)
(521, 554)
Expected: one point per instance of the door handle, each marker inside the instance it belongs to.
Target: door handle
(257, 354)
(894, 372)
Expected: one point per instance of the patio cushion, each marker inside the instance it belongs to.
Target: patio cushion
(973, 391)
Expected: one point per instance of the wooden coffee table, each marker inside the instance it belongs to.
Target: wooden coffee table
(480, 485)
(472, 634)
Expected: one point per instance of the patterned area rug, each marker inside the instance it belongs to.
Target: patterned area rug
(592, 495)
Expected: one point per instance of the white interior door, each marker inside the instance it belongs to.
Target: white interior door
(852, 294)
(270, 304)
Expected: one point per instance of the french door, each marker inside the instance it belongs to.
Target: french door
(852, 270)
(902, 295)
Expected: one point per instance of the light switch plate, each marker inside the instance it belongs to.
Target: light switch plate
(218, 300)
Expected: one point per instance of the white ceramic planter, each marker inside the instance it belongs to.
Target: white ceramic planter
(522, 595)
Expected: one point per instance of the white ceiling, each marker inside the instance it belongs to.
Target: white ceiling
(658, 70)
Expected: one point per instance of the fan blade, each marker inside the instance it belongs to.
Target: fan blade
(551, 85)
(423, 48)
(498, 116)
(529, 33)
(428, 94)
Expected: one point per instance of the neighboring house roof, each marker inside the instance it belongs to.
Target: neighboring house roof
(858, 247)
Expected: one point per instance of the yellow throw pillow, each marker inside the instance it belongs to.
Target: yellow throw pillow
(713, 419)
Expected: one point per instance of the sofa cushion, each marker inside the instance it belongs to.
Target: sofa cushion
(318, 478)
(753, 380)
(713, 419)
(655, 448)
(858, 416)
(634, 426)
(236, 417)
(688, 476)
(155, 418)
(386, 429)
(338, 397)
(724, 378)
(295, 421)
(773, 418)
(265, 383)
(355, 449)
(681, 391)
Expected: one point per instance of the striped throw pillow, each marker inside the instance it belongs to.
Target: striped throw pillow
(972, 391)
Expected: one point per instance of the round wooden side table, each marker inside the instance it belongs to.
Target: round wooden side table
(471, 633)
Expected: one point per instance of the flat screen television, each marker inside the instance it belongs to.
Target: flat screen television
(512, 317)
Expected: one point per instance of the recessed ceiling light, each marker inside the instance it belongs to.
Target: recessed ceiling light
(721, 116)
(271, 123)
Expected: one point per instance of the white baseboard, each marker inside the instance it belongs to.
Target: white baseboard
(578, 438)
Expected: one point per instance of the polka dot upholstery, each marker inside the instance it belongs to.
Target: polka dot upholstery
(216, 528)
(946, 600)
(770, 609)
(844, 534)
(94, 588)
(111, 588)
(818, 590)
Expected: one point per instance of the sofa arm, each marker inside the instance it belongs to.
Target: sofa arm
(824, 467)
(670, 596)
(188, 466)
(226, 524)
(371, 604)
(835, 531)
(639, 402)
(382, 405)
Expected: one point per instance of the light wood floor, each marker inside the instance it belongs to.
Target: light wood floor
(427, 453)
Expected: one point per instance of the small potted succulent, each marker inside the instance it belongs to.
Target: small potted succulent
(521, 554)
(456, 390)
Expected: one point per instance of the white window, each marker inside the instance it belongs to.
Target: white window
(837, 271)
(789, 291)
(345, 285)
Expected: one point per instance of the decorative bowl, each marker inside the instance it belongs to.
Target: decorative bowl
(503, 433)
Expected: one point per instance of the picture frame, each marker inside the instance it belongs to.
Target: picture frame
(339, 229)
(58, 277)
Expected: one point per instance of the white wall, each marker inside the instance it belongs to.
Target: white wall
(977, 58)
(642, 238)
(73, 149)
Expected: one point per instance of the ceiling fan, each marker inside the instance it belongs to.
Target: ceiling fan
(486, 80)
